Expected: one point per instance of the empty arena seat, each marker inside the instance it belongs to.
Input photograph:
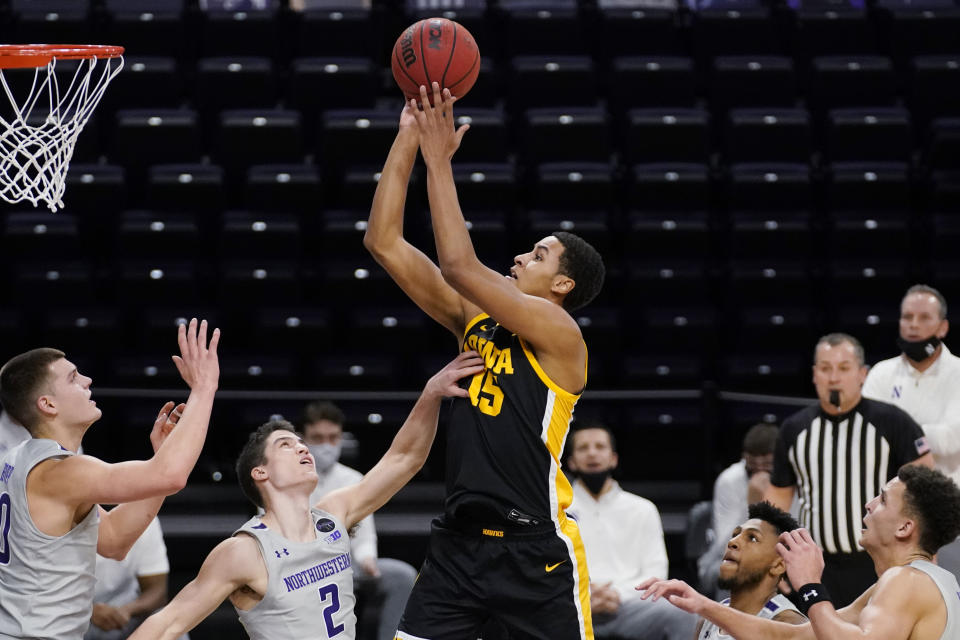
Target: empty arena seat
(544, 81)
(670, 187)
(733, 28)
(77, 328)
(157, 234)
(227, 30)
(488, 139)
(486, 187)
(258, 371)
(248, 137)
(665, 235)
(565, 134)
(368, 372)
(770, 234)
(235, 82)
(770, 186)
(146, 82)
(156, 136)
(752, 81)
(52, 20)
(768, 135)
(259, 280)
(934, 86)
(659, 431)
(777, 280)
(651, 81)
(535, 27)
(666, 134)
(648, 28)
(356, 138)
(834, 28)
(572, 186)
(766, 373)
(95, 192)
(331, 83)
(851, 81)
(142, 281)
(147, 27)
(29, 235)
(868, 186)
(292, 328)
(667, 371)
(920, 28)
(883, 133)
(869, 233)
(942, 145)
(339, 29)
(186, 187)
(273, 236)
(294, 188)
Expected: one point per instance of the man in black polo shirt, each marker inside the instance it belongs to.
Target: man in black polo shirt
(837, 455)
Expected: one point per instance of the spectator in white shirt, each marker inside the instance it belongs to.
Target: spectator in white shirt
(393, 579)
(739, 485)
(129, 590)
(623, 538)
(924, 381)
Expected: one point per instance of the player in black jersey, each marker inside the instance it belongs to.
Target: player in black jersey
(504, 548)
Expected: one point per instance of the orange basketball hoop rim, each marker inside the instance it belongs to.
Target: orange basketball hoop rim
(21, 56)
(39, 130)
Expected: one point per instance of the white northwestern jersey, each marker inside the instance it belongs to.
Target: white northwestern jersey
(774, 607)
(46, 582)
(309, 584)
(950, 590)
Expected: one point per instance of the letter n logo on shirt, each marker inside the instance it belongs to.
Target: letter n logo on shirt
(896, 391)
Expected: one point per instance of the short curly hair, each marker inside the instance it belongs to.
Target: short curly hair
(583, 264)
(253, 455)
(775, 516)
(933, 499)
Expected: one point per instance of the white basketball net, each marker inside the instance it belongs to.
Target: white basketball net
(34, 158)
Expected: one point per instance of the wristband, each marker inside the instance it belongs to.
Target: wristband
(809, 595)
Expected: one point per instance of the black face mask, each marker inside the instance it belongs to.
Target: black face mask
(919, 350)
(594, 480)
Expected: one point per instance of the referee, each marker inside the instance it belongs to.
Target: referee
(837, 455)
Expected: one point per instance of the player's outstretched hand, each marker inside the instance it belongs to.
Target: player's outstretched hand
(803, 557)
(408, 121)
(677, 592)
(439, 136)
(166, 420)
(197, 363)
(444, 382)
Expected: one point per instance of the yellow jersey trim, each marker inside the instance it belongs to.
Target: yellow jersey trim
(474, 320)
(545, 379)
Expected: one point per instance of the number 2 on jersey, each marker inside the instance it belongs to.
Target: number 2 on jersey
(5, 516)
(485, 395)
(334, 606)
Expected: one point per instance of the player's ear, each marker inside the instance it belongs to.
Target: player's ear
(562, 285)
(46, 406)
(259, 473)
(778, 568)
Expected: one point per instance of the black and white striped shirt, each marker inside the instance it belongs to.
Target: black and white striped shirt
(839, 463)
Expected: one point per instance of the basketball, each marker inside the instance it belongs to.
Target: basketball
(435, 50)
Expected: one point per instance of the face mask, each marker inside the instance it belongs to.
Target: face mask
(324, 455)
(919, 350)
(594, 480)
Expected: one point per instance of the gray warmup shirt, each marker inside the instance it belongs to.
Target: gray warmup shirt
(46, 582)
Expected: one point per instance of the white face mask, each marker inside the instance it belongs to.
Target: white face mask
(324, 455)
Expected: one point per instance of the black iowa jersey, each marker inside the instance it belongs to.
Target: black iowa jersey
(504, 441)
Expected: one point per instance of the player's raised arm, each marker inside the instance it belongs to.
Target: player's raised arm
(409, 267)
(540, 318)
(233, 564)
(83, 480)
(409, 449)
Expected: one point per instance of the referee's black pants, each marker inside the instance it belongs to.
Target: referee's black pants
(846, 576)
